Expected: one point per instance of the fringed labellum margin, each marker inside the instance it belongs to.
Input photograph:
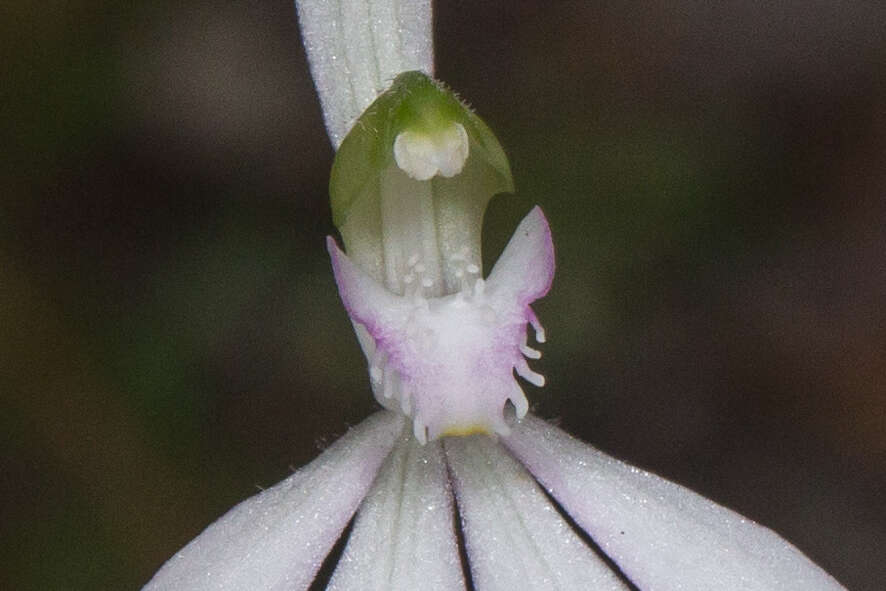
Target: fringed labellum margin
(449, 360)
(409, 187)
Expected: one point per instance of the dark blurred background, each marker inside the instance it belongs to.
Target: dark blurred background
(171, 339)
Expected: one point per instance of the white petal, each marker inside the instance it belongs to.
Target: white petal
(357, 47)
(663, 536)
(279, 538)
(515, 538)
(526, 266)
(403, 537)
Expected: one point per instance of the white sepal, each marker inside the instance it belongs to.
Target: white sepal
(662, 535)
(404, 537)
(279, 538)
(515, 538)
(357, 47)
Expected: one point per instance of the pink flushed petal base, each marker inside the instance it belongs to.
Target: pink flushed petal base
(663, 536)
(448, 361)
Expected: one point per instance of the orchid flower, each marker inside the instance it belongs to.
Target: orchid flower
(454, 465)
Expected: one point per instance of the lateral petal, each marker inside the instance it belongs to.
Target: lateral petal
(404, 537)
(278, 539)
(515, 538)
(662, 535)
